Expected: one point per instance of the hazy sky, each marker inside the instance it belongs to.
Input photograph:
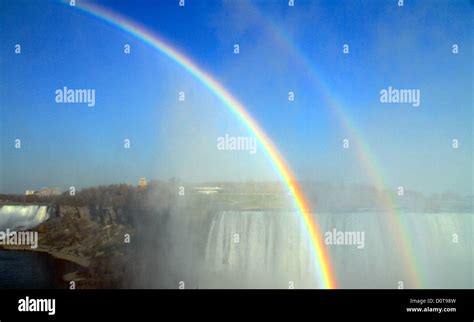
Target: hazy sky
(282, 49)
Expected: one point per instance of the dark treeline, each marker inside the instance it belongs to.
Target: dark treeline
(124, 203)
(323, 196)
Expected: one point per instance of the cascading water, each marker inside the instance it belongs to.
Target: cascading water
(22, 217)
(270, 249)
(424, 250)
(258, 249)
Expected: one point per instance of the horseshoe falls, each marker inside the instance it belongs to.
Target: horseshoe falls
(270, 249)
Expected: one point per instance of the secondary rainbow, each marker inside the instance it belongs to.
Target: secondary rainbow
(325, 272)
(367, 158)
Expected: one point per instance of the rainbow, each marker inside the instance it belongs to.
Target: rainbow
(367, 158)
(325, 272)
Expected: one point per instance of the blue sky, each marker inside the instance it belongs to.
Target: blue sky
(136, 94)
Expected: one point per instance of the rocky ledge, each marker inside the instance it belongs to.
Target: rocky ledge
(96, 243)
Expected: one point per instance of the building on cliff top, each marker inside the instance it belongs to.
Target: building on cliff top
(142, 183)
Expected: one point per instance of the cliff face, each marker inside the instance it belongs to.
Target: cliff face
(94, 239)
(100, 215)
(96, 228)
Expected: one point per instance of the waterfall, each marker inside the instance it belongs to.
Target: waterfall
(422, 250)
(270, 249)
(253, 249)
(22, 217)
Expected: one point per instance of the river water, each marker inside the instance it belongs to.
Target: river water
(32, 270)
